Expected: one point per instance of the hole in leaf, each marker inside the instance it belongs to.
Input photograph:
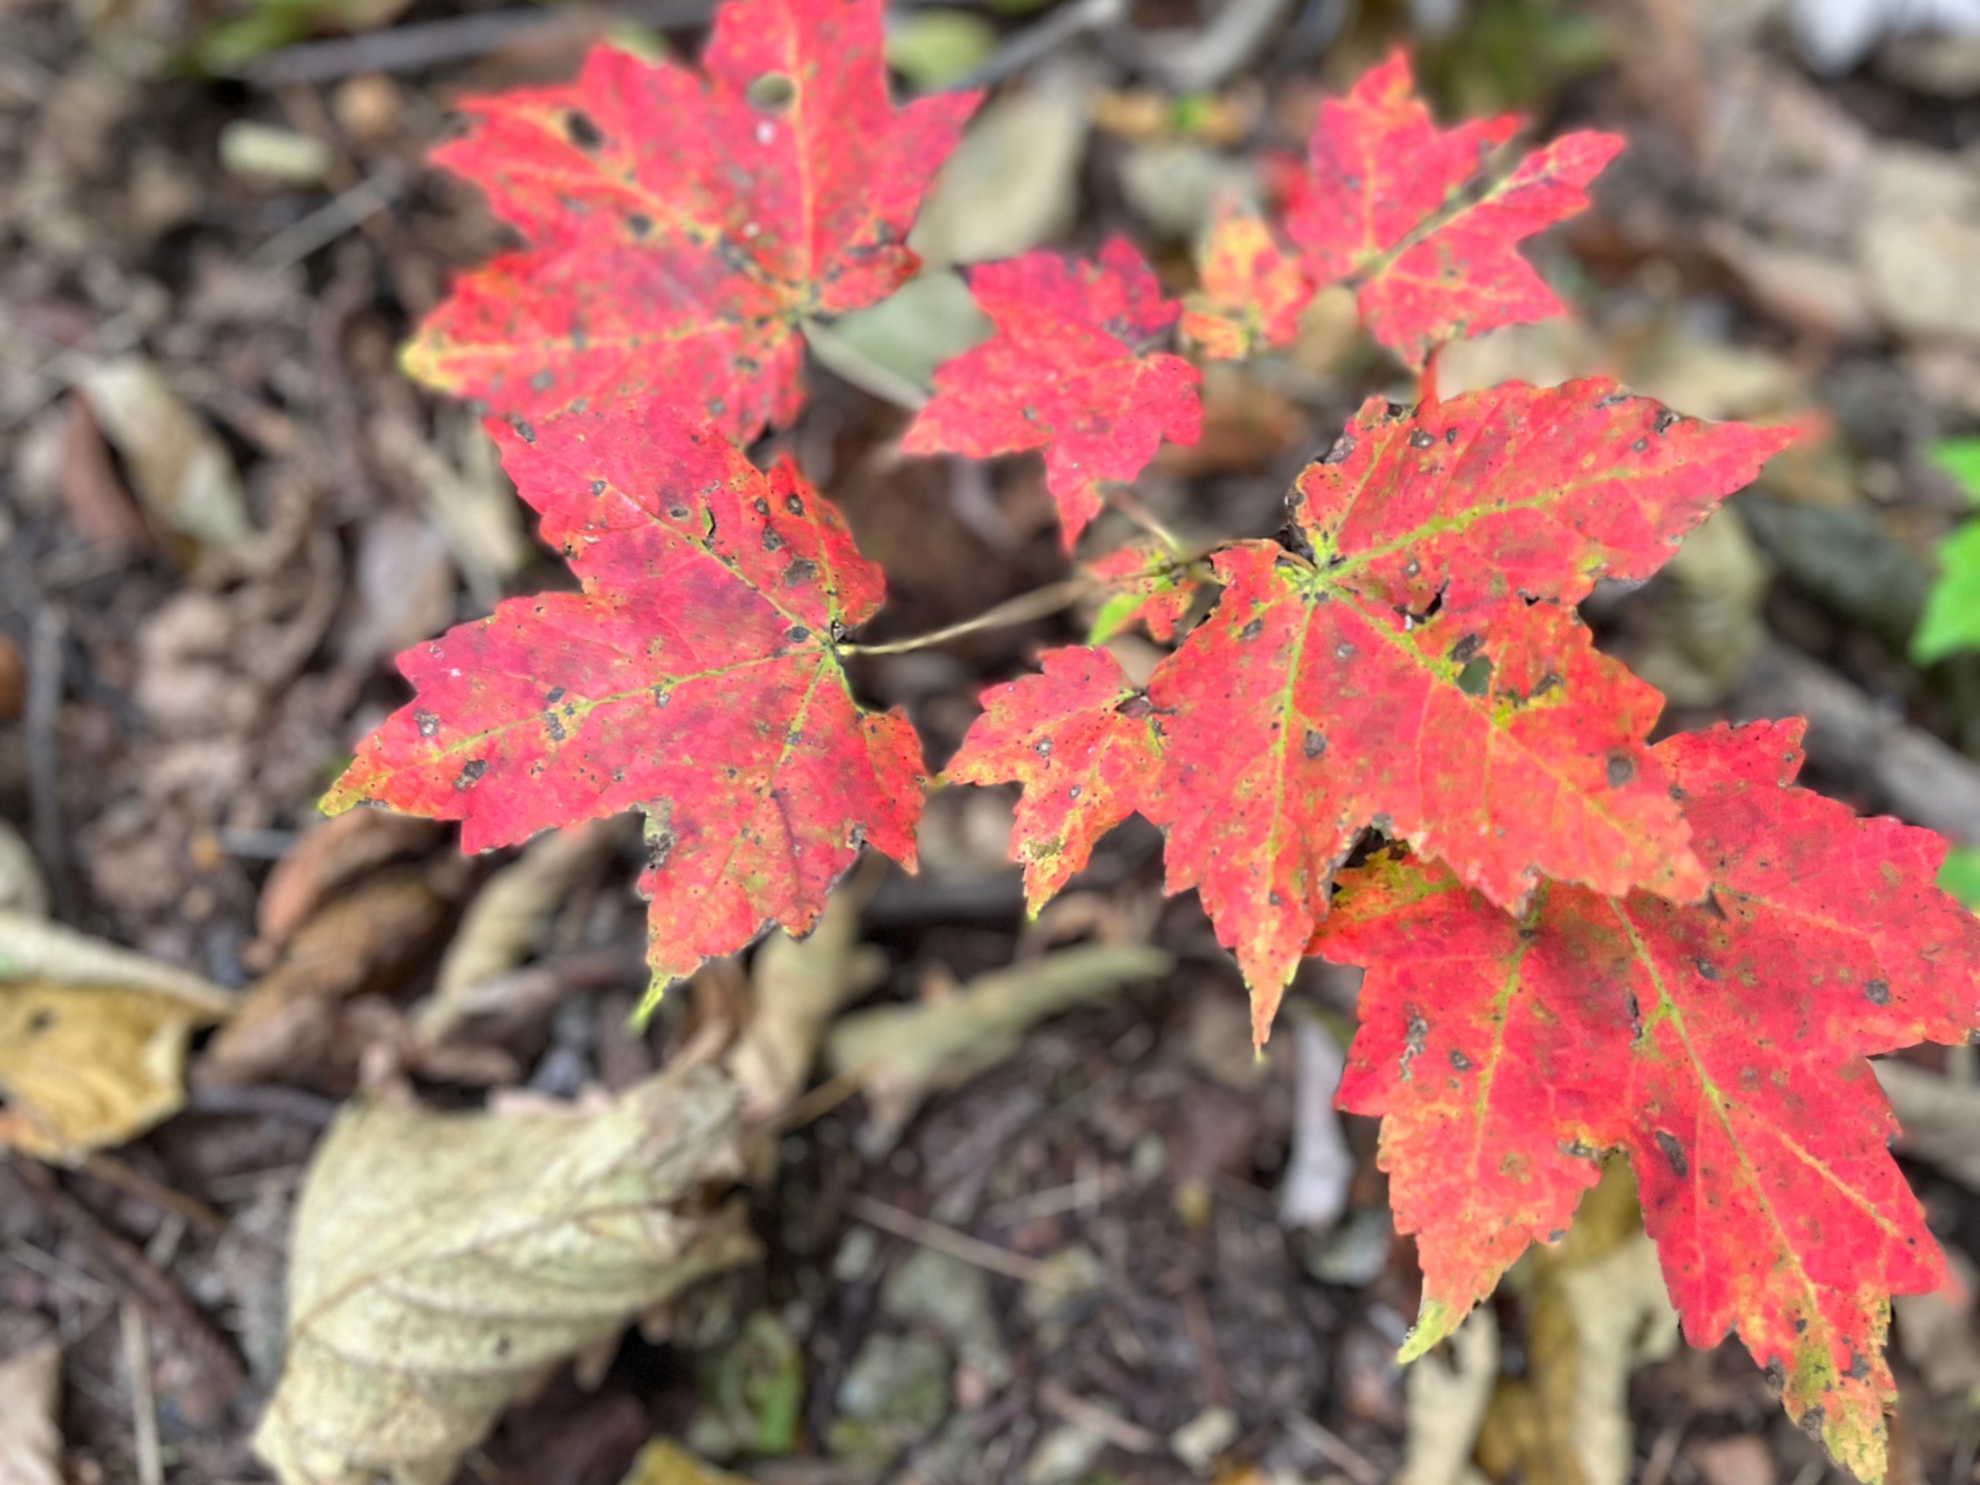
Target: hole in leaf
(1475, 677)
(772, 93)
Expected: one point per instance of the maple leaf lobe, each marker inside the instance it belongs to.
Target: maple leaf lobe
(1411, 215)
(1425, 669)
(1068, 369)
(1252, 290)
(682, 224)
(1721, 1046)
(1081, 740)
(1148, 585)
(693, 677)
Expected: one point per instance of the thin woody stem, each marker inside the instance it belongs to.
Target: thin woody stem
(1129, 504)
(1033, 605)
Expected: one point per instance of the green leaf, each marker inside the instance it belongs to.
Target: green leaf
(1960, 876)
(1952, 609)
(1960, 458)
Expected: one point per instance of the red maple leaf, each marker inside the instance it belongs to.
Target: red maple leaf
(1411, 215)
(1069, 370)
(1149, 586)
(694, 677)
(1079, 738)
(1421, 665)
(1721, 1046)
(1253, 290)
(682, 225)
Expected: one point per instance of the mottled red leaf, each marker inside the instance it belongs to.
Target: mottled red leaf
(1070, 370)
(1421, 666)
(683, 224)
(1721, 1046)
(1149, 586)
(1413, 216)
(694, 678)
(1078, 737)
(1252, 294)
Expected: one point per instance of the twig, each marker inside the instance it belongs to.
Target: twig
(1213, 53)
(44, 700)
(134, 1276)
(350, 289)
(53, 1269)
(63, 369)
(267, 1101)
(429, 43)
(330, 221)
(1105, 1422)
(1021, 609)
(947, 1240)
(1203, 1336)
(114, 1172)
(1335, 1449)
(1129, 504)
(818, 1102)
(1663, 1453)
(144, 1399)
(1038, 42)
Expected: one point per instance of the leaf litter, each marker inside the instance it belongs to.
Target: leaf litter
(166, 832)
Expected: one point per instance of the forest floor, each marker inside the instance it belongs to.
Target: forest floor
(1060, 1246)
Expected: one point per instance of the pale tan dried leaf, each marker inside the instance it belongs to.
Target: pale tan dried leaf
(904, 1053)
(92, 1038)
(799, 985)
(1448, 1392)
(509, 917)
(443, 1263)
(182, 471)
(30, 1393)
(1595, 1310)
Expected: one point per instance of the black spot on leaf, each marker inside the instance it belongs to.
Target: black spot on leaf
(1674, 1153)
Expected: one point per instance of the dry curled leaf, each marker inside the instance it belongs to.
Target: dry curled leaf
(799, 985)
(443, 1263)
(30, 1394)
(288, 1020)
(904, 1053)
(511, 916)
(92, 1038)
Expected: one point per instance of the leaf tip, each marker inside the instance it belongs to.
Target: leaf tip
(1434, 1323)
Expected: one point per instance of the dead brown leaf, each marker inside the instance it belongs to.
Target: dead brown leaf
(330, 856)
(287, 1024)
